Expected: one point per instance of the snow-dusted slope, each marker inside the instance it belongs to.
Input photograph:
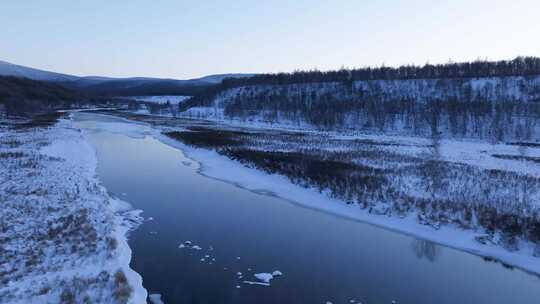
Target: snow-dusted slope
(10, 69)
(215, 79)
(498, 108)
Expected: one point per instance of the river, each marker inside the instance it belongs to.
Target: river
(323, 258)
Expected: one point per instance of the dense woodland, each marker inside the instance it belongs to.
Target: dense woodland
(21, 96)
(134, 87)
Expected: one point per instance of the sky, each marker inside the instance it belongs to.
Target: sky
(188, 39)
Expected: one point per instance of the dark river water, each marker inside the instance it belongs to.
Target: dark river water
(322, 257)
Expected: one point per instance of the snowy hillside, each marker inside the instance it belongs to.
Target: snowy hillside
(215, 79)
(490, 107)
(9, 69)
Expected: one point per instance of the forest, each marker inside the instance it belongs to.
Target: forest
(21, 96)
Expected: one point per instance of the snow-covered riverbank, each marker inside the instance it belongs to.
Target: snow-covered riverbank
(63, 237)
(217, 166)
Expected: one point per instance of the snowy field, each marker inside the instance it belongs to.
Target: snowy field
(172, 99)
(62, 236)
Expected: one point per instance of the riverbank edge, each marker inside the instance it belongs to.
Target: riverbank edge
(218, 167)
(123, 213)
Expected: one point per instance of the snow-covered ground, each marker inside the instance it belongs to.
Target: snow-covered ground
(172, 99)
(62, 236)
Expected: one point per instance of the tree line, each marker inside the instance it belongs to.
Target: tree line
(520, 66)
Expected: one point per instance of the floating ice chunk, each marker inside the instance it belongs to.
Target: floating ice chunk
(238, 286)
(255, 283)
(202, 260)
(187, 243)
(264, 277)
(277, 273)
(153, 232)
(239, 273)
(249, 269)
(328, 302)
(155, 298)
(196, 247)
(206, 256)
(181, 246)
(149, 219)
(238, 258)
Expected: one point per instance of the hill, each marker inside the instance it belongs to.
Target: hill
(489, 100)
(10, 69)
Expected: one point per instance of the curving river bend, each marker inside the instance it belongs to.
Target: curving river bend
(322, 257)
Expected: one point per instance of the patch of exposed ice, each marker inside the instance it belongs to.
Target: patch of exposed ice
(155, 298)
(277, 273)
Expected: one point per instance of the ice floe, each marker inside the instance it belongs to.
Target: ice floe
(155, 298)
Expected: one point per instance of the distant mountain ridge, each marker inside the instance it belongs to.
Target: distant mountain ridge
(111, 86)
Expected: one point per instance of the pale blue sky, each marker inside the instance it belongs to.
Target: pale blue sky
(185, 39)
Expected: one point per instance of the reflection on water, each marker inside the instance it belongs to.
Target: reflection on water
(425, 249)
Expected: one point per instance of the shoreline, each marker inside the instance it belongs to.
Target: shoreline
(218, 167)
(124, 214)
